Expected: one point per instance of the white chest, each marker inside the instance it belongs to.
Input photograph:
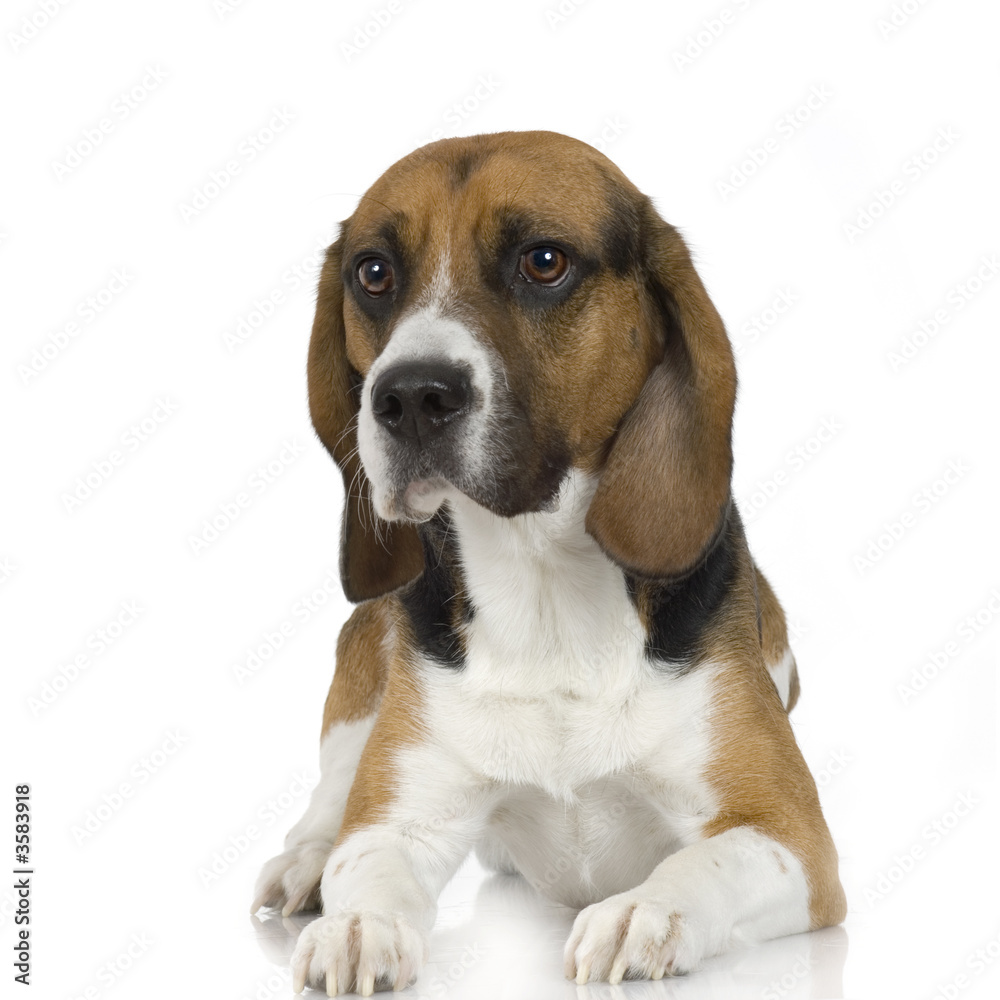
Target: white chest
(556, 691)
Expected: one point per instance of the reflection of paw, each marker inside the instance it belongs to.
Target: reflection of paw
(360, 951)
(627, 936)
(291, 880)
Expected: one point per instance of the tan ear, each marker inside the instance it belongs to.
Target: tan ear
(375, 556)
(663, 494)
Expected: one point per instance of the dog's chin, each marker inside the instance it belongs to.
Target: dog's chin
(416, 501)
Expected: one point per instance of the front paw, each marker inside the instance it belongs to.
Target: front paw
(291, 880)
(628, 935)
(358, 950)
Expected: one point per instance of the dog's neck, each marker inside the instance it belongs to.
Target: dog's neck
(538, 582)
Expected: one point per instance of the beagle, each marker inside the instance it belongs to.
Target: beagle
(563, 655)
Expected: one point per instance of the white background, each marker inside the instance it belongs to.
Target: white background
(835, 445)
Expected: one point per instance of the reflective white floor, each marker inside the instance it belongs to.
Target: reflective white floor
(497, 938)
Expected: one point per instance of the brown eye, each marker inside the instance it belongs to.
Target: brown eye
(375, 276)
(544, 265)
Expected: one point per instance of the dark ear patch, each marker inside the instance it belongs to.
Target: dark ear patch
(621, 232)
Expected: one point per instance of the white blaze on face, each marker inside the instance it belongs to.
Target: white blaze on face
(426, 335)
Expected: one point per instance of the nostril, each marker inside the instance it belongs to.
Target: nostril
(442, 403)
(388, 407)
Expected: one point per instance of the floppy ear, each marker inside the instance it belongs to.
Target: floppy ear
(663, 494)
(375, 556)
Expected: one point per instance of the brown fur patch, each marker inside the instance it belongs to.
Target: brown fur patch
(773, 628)
(397, 726)
(362, 665)
(756, 768)
(794, 690)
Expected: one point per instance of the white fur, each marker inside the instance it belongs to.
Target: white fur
(781, 674)
(292, 876)
(736, 888)
(427, 334)
(564, 752)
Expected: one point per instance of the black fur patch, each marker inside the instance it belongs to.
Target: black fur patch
(621, 234)
(680, 612)
(434, 602)
(464, 167)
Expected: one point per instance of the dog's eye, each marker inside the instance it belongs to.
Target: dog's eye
(544, 265)
(375, 276)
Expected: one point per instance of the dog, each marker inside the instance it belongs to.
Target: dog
(563, 655)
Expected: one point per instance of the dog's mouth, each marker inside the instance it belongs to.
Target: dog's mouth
(416, 500)
(422, 498)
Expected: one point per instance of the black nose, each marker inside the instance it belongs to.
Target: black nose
(417, 399)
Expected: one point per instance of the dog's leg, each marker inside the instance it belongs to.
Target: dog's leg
(739, 887)
(413, 815)
(291, 880)
(766, 865)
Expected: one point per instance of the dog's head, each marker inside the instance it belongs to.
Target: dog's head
(498, 310)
